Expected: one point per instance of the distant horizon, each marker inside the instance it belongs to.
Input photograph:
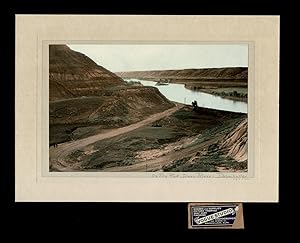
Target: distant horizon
(159, 57)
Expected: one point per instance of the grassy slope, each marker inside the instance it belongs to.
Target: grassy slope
(86, 116)
(122, 150)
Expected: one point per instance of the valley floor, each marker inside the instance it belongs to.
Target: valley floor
(178, 139)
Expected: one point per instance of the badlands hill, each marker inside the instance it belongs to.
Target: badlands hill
(72, 74)
(85, 97)
(236, 142)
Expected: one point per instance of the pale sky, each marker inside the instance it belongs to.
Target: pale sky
(129, 57)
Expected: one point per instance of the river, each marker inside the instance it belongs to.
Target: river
(180, 94)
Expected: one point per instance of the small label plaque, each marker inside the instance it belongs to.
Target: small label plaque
(215, 215)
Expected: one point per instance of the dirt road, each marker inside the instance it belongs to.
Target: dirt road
(58, 154)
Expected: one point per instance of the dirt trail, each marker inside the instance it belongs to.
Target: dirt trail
(157, 163)
(63, 150)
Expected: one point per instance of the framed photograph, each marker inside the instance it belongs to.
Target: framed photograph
(147, 108)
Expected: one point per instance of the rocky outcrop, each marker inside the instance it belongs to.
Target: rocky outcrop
(72, 74)
(236, 142)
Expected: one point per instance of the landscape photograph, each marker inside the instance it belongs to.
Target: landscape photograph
(148, 107)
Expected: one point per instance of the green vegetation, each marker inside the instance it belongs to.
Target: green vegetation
(231, 94)
(133, 83)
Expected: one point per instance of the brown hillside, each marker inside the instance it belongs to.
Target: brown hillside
(85, 97)
(118, 107)
(236, 142)
(72, 74)
(239, 73)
